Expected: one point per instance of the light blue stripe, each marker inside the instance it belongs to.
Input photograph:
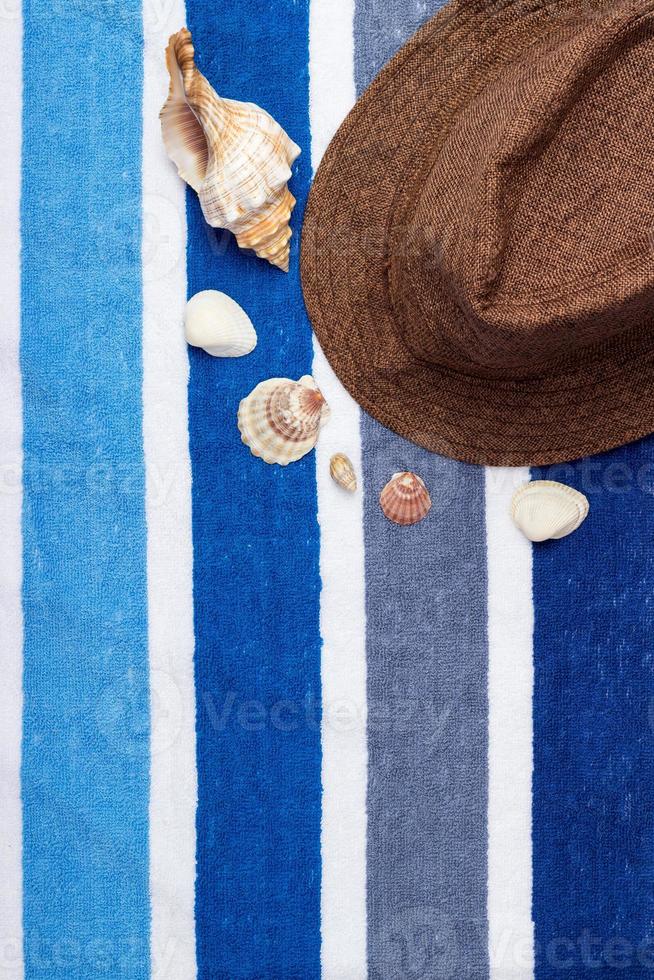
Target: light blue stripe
(86, 715)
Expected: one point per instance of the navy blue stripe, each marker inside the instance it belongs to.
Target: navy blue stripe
(85, 771)
(427, 676)
(256, 574)
(593, 804)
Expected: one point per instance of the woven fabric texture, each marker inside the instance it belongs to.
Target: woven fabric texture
(477, 257)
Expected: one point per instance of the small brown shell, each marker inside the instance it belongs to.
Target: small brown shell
(405, 499)
(342, 472)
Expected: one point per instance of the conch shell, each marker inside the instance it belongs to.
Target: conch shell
(233, 154)
(215, 322)
(544, 509)
(280, 419)
(405, 499)
(342, 472)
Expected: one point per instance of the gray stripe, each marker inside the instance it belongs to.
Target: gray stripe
(427, 727)
(427, 677)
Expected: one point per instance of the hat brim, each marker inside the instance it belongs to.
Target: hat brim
(604, 399)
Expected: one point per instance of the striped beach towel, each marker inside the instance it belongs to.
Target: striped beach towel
(249, 730)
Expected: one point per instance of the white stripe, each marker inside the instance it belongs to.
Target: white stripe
(11, 464)
(342, 603)
(173, 793)
(510, 729)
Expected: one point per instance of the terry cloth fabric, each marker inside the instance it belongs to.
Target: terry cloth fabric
(249, 730)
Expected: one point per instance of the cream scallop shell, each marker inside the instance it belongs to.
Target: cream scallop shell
(280, 419)
(342, 472)
(215, 322)
(544, 509)
(233, 154)
(405, 499)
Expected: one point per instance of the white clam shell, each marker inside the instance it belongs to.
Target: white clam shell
(215, 322)
(280, 419)
(234, 154)
(544, 509)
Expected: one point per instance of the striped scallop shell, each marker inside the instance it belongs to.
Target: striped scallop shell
(544, 509)
(405, 499)
(280, 419)
(233, 154)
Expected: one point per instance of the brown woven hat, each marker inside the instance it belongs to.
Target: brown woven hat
(477, 252)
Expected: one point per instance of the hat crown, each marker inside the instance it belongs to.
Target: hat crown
(530, 235)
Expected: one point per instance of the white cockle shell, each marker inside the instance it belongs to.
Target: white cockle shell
(215, 322)
(544, 509)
